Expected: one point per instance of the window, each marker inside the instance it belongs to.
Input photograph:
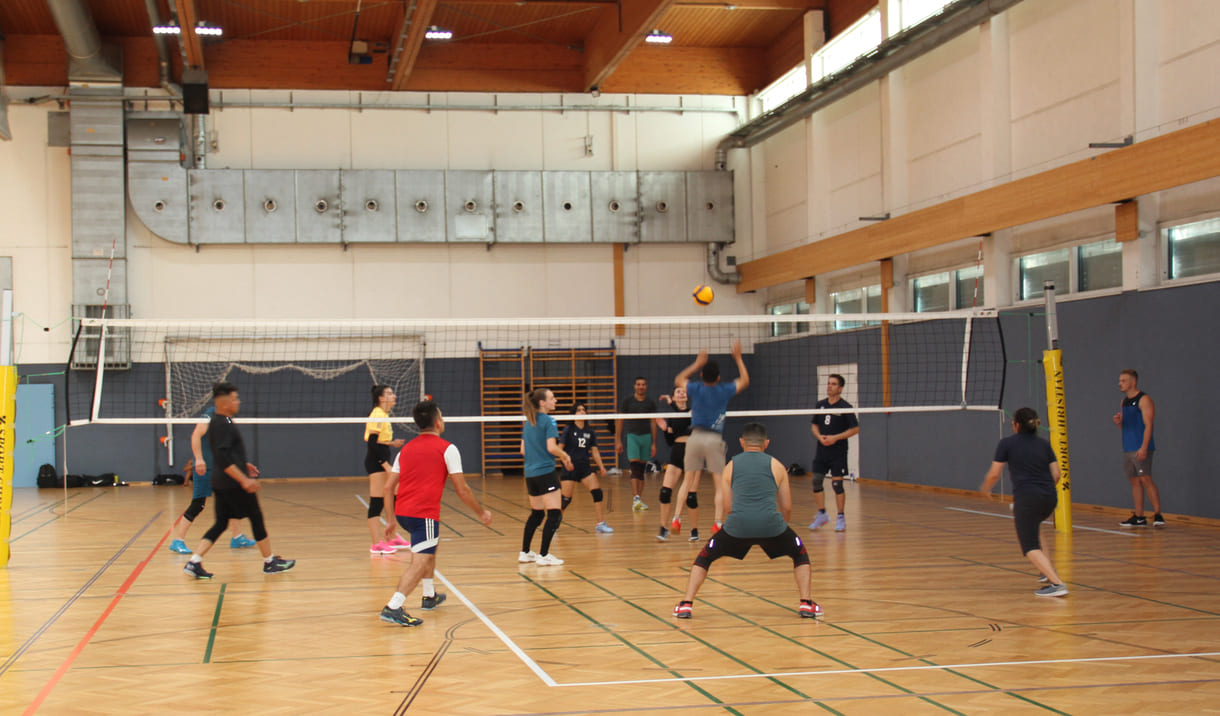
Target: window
(968, 287)
(948, 290)
(932, 292)
(916, 11)
(1193, 249)
(859, 39)
(788, 309)
(856, 300)
(783, 89)
(1087, 267)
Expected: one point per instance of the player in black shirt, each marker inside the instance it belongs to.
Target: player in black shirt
(233, 485)
(676, 430)
(579, 441)
(831, 431)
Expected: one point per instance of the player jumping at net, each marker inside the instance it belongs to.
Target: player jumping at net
(709, 401)
(641, 438)
(1035, 473)
(379, 437)
(235, 487)
(540, 446)
(759, 502)
(830, 432)
(415, 486)
(579, 441)
(676, 430)
(201, 485)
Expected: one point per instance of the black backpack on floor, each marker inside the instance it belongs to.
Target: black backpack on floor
(47, 476)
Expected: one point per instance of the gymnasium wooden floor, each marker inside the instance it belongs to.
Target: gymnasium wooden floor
(929, 609)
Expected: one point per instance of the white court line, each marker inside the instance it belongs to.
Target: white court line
(546, 678)
(881, 670)
(1047, 522)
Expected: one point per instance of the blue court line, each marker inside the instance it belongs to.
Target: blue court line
(12, 659)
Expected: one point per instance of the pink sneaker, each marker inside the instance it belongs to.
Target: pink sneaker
(399, 543)
(381, 548)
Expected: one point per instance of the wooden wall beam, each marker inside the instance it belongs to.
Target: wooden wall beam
(1126, 221)
(191, 44)
(1187, 155)
(416, 24)
(811, 292)
(617, 33)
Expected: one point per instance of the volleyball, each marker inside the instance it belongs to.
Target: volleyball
(703, 294)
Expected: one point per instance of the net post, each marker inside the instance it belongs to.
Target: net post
(966, 357)
(95, 410)
(887, 281)
(1056, 409)
(169, 409)
(8, 412)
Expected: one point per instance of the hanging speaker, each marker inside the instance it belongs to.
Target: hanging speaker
(195, 91)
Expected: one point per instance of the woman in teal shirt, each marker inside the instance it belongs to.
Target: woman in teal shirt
(540, 445)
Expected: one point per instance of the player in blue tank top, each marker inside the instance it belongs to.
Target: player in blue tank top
(1134, 418)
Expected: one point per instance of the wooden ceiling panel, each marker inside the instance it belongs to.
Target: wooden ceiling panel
(308, 21)
(499, 23)
(697, 26)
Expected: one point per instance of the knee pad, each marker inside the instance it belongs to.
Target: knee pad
(598, 495)
(376, 505)
(564, 502)
(192, 510)
(667, 495)
(837, 486)
(637, 470)
(692, 500)
(818, 478)
(553, 518)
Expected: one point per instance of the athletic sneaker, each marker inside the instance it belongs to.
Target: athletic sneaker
(818, 520)
(1134, 521)
(1052, 590)
(637, 504)
(548, 560)
(1043, 579)
(179, 546)
(663, 535)
(382, 548)
(840, 524)
(1157, 520)
(809, 610)
(196, 570)
(527, 557)
(430, 603)
(399, 617)
(241, 542)
(278, 564)
(676, 525)
(694, 535)
(399, 543)
(683, 610)
(604, 528)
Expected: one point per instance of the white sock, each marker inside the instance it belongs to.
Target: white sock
(196, 559)
(397, 600)
(429, 590)
(267, 560)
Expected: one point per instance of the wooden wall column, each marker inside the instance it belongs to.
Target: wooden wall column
(620, 302)
(1126, 221)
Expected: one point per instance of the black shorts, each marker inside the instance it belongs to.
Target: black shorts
(723, 544)
(375, 456)
(542, 484)
(235, 503)
(677, 455)
(580, 470)
(1028, 513)
(834, 467)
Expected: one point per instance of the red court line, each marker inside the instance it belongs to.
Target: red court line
(63, 668)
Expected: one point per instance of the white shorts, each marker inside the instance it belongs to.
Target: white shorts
(705, 451)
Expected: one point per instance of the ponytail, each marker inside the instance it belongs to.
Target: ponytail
(533, 399)
(378, 391)
(1026, 420)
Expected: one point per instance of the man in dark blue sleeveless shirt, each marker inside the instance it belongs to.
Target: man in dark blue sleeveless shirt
(1134, 418)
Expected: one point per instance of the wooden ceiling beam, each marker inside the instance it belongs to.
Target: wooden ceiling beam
(619, 30)
(191, 44)
(409, 38)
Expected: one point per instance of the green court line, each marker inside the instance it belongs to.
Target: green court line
(900, 651)
(463, 511)
(56, 517)
(629, 645)
(523, 507)
(220, 600)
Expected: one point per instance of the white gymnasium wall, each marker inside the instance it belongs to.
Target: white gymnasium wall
(167, 280)
(1022, 94)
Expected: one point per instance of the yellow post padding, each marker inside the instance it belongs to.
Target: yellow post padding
(8, 413)
(1056, 414)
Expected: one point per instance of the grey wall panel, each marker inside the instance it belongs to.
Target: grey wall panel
(709, 207)
(662, 207)
(468, 206)
(615, 207)
(568, 207)
(421, 206)
(99, 204)
(90, 278)
(368, 197)
(271, 208)
(318, 207)
(158, 195)
(519, 207)
(217, 213)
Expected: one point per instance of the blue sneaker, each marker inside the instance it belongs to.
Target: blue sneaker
(179, 546)
(840, 524)
(240, 542)
(604, 528)
(819, 520)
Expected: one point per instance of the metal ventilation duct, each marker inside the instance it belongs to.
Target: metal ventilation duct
(89, 61)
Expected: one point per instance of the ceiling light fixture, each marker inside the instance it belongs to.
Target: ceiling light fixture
(656, 37)
(202, 28)
(170, 28)
(436, 33)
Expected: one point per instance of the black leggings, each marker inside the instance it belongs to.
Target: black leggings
(234, 504)
(1028, 512)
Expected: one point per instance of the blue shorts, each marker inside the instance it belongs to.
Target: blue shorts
(202, 484)
(424, 533)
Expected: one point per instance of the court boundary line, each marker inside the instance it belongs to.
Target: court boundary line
(1047, 522)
